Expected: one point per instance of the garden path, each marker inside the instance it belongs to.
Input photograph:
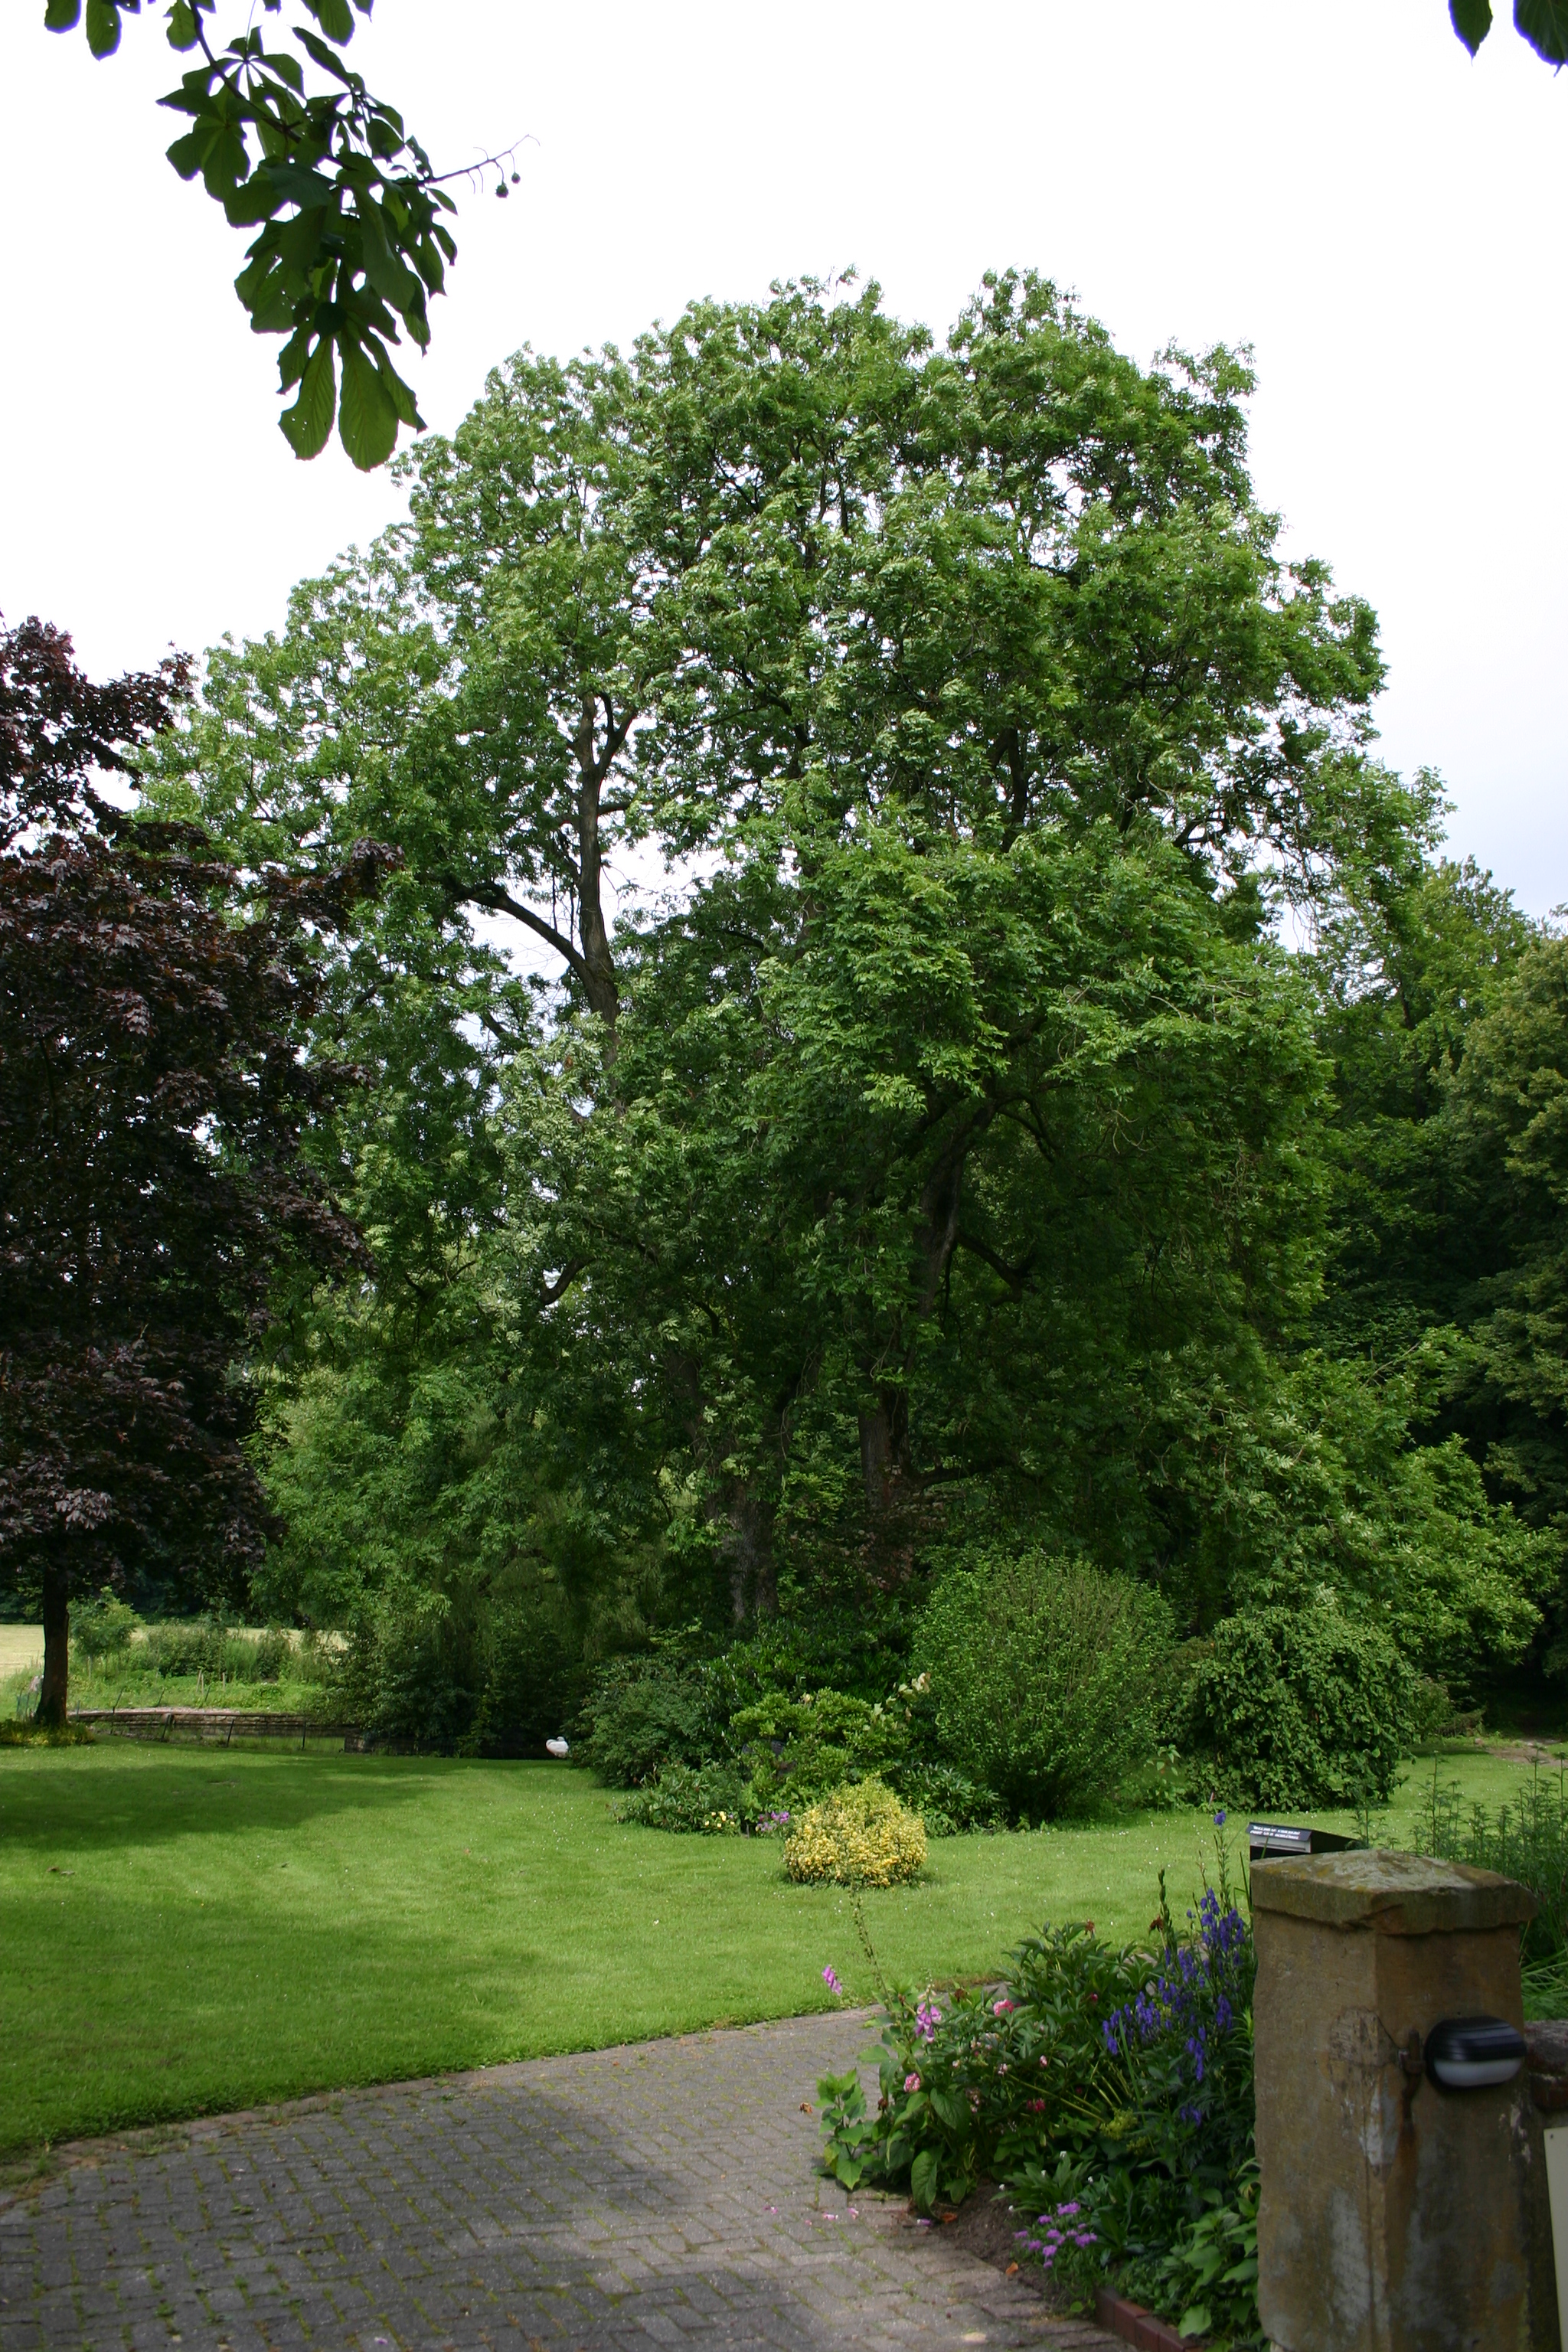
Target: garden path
(660, 2194)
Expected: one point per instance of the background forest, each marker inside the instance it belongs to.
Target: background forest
(1036, 1091)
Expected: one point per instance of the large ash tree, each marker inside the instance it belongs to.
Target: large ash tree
(951, 1149)
(151, 1106)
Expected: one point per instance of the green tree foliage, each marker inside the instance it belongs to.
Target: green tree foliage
(102, 1628)
(645, 596)
(1414, 952)
(1544, 23)
(819, 1216)
(349, 211)
(1508, 1127)
(1444, 1272)
(959, 1146)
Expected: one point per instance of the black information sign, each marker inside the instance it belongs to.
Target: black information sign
(1273, 1837)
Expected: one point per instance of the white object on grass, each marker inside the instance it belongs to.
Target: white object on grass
(557, 1747)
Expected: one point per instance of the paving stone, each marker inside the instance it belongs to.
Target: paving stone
(662, 2196)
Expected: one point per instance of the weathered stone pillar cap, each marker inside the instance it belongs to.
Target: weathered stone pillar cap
(1393, 1894)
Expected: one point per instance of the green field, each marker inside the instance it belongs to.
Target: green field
(131, 1679)
(21, 1650)
(185, 1930)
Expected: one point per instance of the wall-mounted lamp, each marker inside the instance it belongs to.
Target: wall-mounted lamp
(1467, 2053)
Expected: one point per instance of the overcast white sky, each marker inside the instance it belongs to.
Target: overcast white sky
(1332, 181)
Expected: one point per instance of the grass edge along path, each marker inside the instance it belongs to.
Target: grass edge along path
(186, 1931)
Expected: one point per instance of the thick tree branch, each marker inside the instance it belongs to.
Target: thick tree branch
(497, 901)
(562, 1282)
(1014, 1276)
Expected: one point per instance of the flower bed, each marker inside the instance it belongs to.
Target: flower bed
(1109, 2090)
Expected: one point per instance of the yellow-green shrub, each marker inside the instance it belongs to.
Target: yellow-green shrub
(860, 1836)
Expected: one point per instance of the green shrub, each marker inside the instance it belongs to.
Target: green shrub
(857, 1837)
(1526, 1839)
(1166, 1781)
(795, 1750)
(272, 1656)
(1435, 1713)
(222, 1654)
(860, 1648)
(535, 1679)
(102, 1628)
(706, 1803)
(1303, 1707)
(412, 1671)
(315, 1658)
(645, 1712)
(1044, 1674)
(191, 1648)
(947, 1800)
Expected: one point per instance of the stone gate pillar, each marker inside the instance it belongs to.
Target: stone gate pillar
(1394, 2216)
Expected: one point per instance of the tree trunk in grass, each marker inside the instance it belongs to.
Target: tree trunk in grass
(57, 1632)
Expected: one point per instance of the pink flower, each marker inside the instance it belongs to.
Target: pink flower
(1001, 2009)
(912, 2081)
(831, 1981)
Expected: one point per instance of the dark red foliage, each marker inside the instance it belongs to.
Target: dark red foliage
(56, 728)
(152, 1101)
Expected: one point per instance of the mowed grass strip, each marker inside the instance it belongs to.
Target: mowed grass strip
(184, 1931)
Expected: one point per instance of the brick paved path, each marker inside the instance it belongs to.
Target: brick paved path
(657, 2195)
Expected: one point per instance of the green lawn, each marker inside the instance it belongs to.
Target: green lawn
(184, 1930)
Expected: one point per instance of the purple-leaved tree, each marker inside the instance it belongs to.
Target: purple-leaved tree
(152, 1105)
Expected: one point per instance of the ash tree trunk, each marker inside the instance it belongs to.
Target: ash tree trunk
(52, 1695)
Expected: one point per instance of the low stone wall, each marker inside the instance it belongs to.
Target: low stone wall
(214, 1726)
